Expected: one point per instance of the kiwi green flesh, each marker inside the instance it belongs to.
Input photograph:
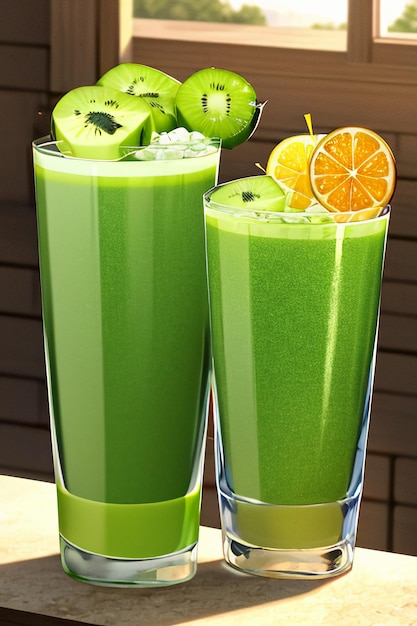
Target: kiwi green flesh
(163, 115)
(94, 122)
(155, 87)
(218, 103)
(254, 193)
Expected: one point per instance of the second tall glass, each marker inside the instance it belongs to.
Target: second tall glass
(294, 303)
(126, 337)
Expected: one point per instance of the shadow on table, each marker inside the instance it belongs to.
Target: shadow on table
(39, 586)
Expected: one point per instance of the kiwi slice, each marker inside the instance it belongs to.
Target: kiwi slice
(254, 193)
(94, 122)
(218, 103)
(156, 87)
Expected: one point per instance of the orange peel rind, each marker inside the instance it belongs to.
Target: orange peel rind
(353, 169)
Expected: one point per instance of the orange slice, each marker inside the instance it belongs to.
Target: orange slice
(289, 163)
(352, 169)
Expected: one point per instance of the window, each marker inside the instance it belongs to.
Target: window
(394, 40)
(367, 30)
(277, 23)
(398, 19)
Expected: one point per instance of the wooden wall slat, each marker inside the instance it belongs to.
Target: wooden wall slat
(115, 38)
(74, 44)
(23, 401)
(88, 37)
(336, 93)
(25, 448)
(22, 352)
(23, 68)
(393, 428)
(18, 235)
(25, 22)
(397, 374)
(20, 291)
(400, 260)
(403, 222)
(398, 333)
(400, 298)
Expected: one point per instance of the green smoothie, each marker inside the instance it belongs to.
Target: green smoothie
(125, 322)
(294, 310)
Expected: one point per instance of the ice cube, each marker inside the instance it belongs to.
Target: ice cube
(179, 135)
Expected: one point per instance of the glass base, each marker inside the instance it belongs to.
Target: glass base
(96, 569)
(283, 541)
(299, 564)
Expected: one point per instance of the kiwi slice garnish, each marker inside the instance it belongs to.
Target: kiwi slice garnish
(218, 103)
(94, 122)
(155, 87)
(254, 193)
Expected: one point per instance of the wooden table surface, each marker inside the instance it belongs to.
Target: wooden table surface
(380, 590)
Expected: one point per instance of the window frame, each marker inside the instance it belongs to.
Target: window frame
(87, 37)
(364, 45)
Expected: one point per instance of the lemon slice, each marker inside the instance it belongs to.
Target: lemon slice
(289, 163)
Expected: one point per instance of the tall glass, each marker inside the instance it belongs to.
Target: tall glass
(294, 303)
(125, 314)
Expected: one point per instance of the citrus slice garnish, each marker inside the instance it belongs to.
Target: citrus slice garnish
(352, 169)
(289, 163)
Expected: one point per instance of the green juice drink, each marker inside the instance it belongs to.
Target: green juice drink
(294, 311)
(126, 334)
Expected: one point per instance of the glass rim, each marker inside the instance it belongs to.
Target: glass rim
(48, 146)
(317, 214)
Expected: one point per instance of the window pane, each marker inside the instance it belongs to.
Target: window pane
(287, 23)
(300, 13)
(398, 18)
(290, 13)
